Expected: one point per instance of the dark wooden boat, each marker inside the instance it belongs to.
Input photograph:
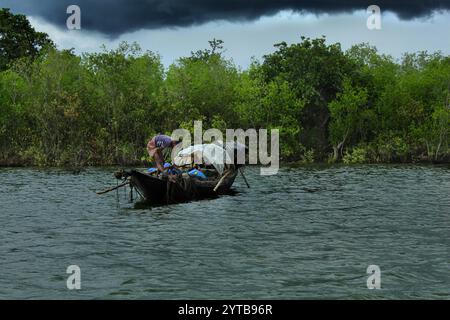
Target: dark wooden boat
(180, 188)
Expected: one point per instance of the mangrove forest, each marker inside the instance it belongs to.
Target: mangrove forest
(58, 108)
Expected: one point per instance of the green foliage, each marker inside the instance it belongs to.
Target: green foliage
(357, 155)
(390, 148)
(315, 72)
(349, 116)
(200, 88)
(308, 156)
(18, 39)
(70, 110)
(124, 86)
(12, 114)
(58, 108)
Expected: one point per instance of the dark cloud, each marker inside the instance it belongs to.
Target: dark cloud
(114, 17)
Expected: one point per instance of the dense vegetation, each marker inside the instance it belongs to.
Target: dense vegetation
(57, 108)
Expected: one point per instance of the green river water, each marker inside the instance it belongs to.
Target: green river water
(305, 233)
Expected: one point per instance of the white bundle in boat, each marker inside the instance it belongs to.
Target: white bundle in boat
(233, 148)
(209, 154)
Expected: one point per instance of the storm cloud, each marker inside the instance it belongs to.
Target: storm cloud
(115, 17)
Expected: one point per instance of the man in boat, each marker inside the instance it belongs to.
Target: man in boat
(156, 146)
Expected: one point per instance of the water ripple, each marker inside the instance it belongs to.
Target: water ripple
(304, 233)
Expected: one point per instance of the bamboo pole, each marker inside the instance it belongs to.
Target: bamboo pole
(243, 176)
(221, 180)
(112, 189)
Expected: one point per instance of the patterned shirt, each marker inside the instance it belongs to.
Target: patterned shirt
(162, 141)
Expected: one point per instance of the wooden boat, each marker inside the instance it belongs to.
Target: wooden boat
(178, 188)
(216, 177)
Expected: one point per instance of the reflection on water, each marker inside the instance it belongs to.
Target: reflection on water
(140, 204)
(305, 233)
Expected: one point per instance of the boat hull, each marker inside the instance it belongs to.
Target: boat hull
(176, 189)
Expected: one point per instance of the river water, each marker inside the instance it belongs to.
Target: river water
(305, 233)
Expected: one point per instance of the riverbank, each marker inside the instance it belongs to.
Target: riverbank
(294, 164)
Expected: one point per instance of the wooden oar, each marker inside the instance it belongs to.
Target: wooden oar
(243, 176)
(112, 189)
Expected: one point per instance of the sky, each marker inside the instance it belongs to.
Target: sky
(249, 28)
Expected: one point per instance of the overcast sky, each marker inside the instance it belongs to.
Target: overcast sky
(174, 28)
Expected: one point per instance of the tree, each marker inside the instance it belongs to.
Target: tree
(124, 84)
(12, 126)
(215, 50)
(435, 131)
(347, 116)
(59, 108)
(406, 106)
(201, 87)
(315, 72)
(18, 38)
